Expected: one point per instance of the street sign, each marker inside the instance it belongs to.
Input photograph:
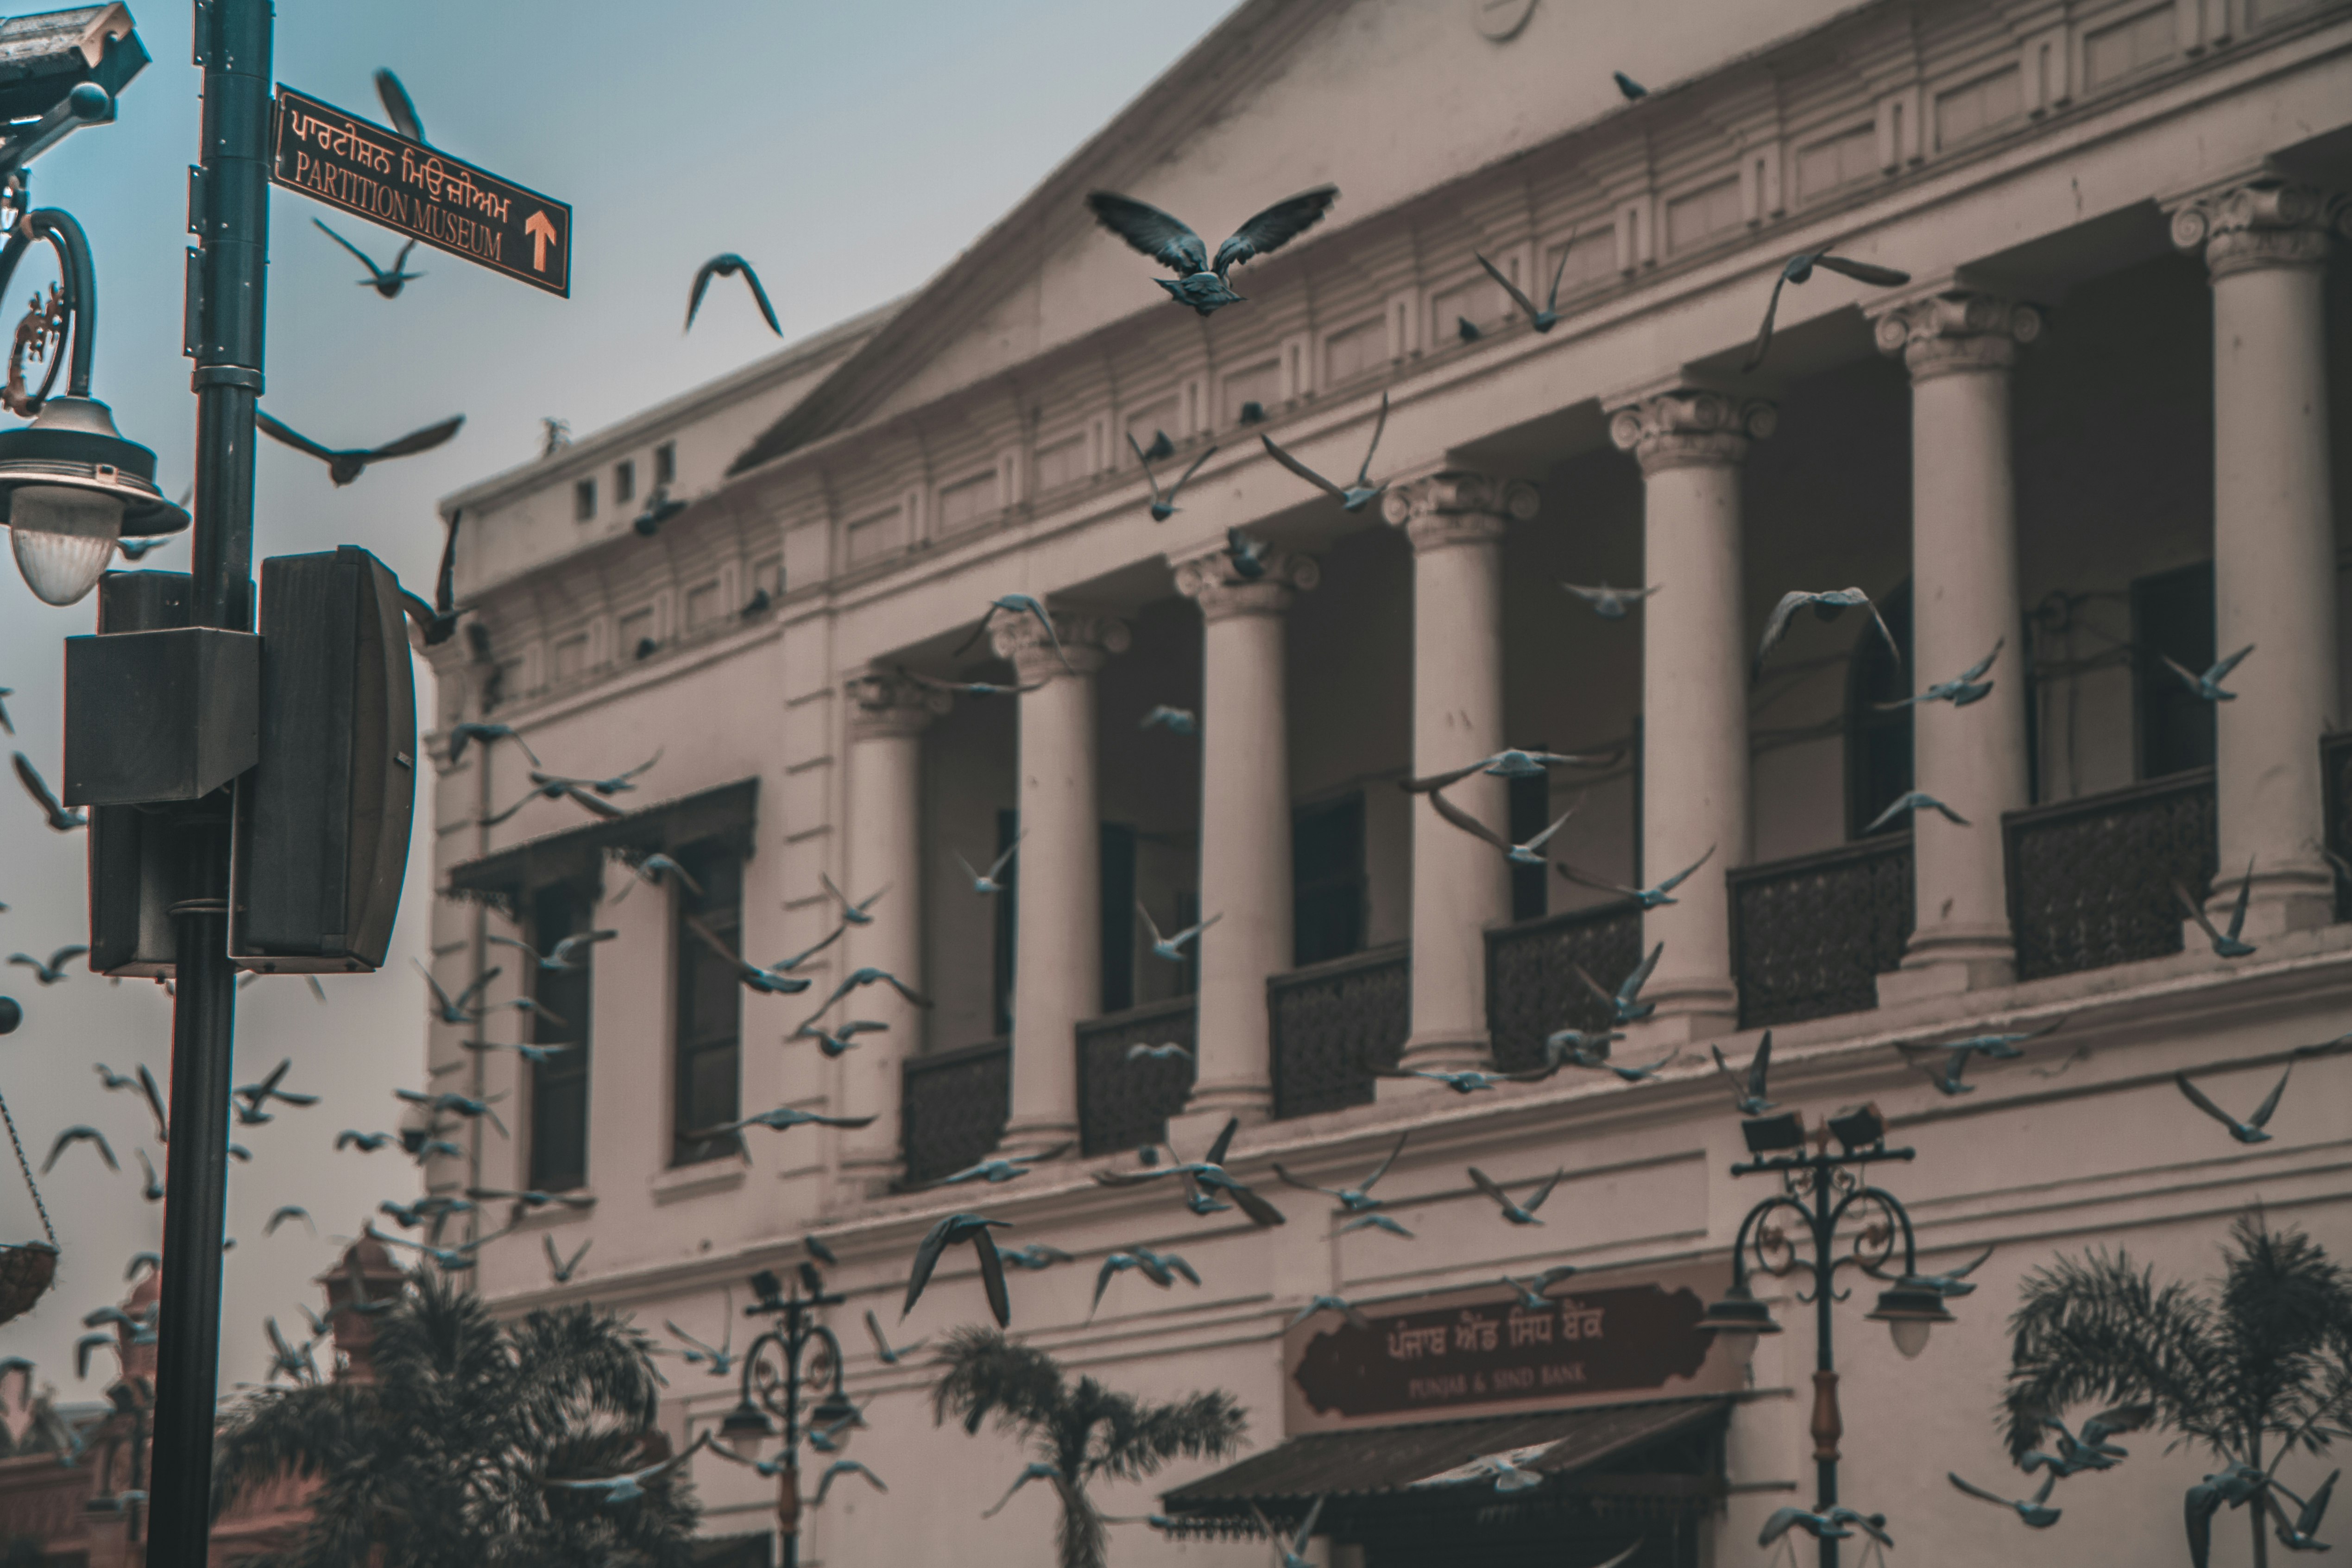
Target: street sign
(406, 186)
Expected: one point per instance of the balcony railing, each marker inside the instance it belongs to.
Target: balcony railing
(1810, 937)
(2335, 785)
(952, 1108)
(2090, 881)
(1123, 1103)
(1333, 1024)
(1532, 986)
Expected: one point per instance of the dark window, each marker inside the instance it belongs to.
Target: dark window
(2172, 618)
(665, 462)
(1531, 813)
(559, 1088)
(1008, 910)
(1118, 918)
(625, 482)
(583, 501)
(1117, 893)
(1879, 741)
(709, 1007)
(1327, 880)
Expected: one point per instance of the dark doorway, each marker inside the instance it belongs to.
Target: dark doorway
(2172, 618)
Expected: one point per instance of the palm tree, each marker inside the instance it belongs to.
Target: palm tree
(443, 1458)
(1082, 1431)
(2269, 1358)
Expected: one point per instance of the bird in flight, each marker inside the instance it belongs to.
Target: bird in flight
(50, 973)
(842, 1039)
(2209, 685)
(1292, 1547)
(384, 281)
(1650, 898)
(1625, 1004)
(1201, 282)
(1353, 497)
(366, 1143)
(1355, 1199)
(1748, 1093)
(1517, 1213)
(1164, 504)
(1340, 1304)
(883, 1348)
(1246, 555)
(727, 264)
(396, 105)
(1532, 1292)
(1529, 854)
(343, 466)
(1611, 603)
(655, 867)
(2251, 1130)
(775, 980)
(560, 1269)
(1207, 1177)
(5, 723)
(997, 1171)
(2035, 1510)
(558, 959)
(1955, 1283)
(1542, 320)
(968, 688)
(613, 1491)
(1172, 948)
(857, 913)
(988, 881)
(845, 1468)
(453, 1011)
(2226, 944)
(949, 1232)
(284, 1212)
(1174, 720)
(1628, 88)
(1826, 606)
(1034, 1256)
(1019, 604)
(1799, 269)
(80, 1134)
(1914, 800)
(253, 1099)
(60, 819)
(1508, 764)
(1469, 1081)
(1969, 685)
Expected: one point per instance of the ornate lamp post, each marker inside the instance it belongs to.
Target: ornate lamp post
(774, 1390)
(1824, 1191)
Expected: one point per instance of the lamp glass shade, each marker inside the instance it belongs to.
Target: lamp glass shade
(1910, 1335)
(833, 1409)
(747, 1426)
(64, 539)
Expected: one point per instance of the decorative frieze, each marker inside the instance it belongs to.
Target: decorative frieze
(1085, 642)
(1208, 579)
(1958, 331)
(2264, 222)
(1691, 428)
(1456, 507)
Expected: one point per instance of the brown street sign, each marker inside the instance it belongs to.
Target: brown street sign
(451, 206)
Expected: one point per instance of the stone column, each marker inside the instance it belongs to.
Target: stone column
(1057, 936)
(2265, 244)
(1695, 657)
(1460, 886)
(1244, 822)
(1959, 347)
(887, 714)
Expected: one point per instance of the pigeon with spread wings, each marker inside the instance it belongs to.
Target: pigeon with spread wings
(1827, 606)
(1201, 282)
(1353, 497)
(1799, 269)
(60, 819)
(947, 1233)
(385, 281)
(1528, 853)
(345, 465)
(728, 265)
(1545, 320)
(1163, 503)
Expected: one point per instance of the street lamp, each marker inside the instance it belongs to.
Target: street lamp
(778, 1393)
(1823, 1191)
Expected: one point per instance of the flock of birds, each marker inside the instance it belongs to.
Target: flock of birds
(1204, 1185)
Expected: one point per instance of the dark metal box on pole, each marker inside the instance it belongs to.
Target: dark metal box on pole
(322, 824)
(136, 859)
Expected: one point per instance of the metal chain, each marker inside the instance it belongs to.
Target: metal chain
(26, 1165)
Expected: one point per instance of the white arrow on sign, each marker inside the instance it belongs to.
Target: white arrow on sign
(543, 234)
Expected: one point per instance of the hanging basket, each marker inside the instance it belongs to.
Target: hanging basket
(25, 1272)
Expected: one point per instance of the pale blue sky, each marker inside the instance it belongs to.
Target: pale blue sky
(850, 150)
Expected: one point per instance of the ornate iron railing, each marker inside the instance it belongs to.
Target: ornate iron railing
(1123, 1103)
(1333, 1024)
(952, 1108)
(1532, 986)
(2090, 881)
(2335, 785)
(1810, 936)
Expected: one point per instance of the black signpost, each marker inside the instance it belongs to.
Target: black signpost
(382, 176)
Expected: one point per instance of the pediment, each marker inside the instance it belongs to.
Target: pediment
(1389, 100)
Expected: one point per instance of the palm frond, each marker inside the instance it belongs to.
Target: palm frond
(2097, 1328)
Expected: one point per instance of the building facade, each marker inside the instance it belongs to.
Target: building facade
(2099, 432)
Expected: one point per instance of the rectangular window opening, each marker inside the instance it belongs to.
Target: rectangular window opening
(1326, 876)
(624, 482)
(709, 1090)
(583, 501)
(559, 1086)
(665, 462)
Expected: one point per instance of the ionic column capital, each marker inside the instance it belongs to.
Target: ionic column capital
(1456, 506)
(1691, 428)
(1955, 331)
(1208, 579)
(1087, 641)
(2264, 222)
(890, 704)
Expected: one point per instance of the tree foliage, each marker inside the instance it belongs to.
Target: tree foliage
(443, 1458)
(1082, 1429)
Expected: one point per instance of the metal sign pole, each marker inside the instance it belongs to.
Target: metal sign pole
(229, 211)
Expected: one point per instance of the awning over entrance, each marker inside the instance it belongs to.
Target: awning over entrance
(1665, 1455)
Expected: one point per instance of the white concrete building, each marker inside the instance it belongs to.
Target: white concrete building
(2098, 429)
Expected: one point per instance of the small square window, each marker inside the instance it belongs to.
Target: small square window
(665, 462)
(583, 501)
(624, 482)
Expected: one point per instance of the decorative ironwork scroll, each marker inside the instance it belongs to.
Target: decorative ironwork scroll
(1532, 986)
(953, 1108)
(1333, 1024)
(2090, 881)
(1810, 937)
(1124, 1104)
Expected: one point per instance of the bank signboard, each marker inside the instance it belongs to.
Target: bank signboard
(1621, 1337)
